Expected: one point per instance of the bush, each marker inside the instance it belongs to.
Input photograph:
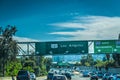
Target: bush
(12, 68)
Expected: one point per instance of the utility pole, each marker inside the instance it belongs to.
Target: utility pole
(119, 37)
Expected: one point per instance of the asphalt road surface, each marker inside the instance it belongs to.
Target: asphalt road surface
(75, 77)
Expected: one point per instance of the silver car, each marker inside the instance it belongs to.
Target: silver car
(33, 76)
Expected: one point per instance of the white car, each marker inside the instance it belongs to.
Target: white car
(32, 75)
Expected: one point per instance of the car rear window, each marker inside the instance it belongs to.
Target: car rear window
(59, 78)
(50, 73)
(22, 72)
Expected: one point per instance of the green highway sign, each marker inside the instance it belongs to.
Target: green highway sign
(107, 46)
(61, 47)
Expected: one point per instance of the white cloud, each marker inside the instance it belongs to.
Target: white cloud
(95, 27)
(24, 39)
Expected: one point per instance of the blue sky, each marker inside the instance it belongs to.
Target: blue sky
(53, 20)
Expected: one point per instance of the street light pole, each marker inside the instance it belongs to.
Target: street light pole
(119, 37)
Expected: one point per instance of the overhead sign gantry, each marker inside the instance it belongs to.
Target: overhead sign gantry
(61, 47)
(107, 46)
(73, 47)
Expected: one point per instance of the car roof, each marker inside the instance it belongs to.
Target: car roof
(58, 75)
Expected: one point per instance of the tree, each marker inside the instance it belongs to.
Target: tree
(13, 67)
(83, 60)
(87, 64)
(116, 58)
(42, 64)
(8, 47)
(30, 63)
(100, 63)
(48, 62)
(88, 59)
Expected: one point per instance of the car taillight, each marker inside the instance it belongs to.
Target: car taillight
(28, 76)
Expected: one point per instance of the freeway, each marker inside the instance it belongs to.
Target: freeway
(75, 77)
(9, 78)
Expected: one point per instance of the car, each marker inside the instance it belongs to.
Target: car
(59, 77)
(23, 75)
(68, 75)
(106, 76)
(100, 74)
(50, 75)
(76, 73)
(33, 76)
(118, 77)
(114, 77)
(93, 77)
(85, 74)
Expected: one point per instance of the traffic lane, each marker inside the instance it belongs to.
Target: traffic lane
(79, 77)
(42, 78)
(75, 77)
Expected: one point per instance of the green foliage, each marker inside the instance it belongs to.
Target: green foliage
(83, 60)
(48, 63)
(37, 70)
(8, 46)
(99, 63)
(43, 70)
(90, 59)
(29, 68)
(77, 64)
(87, 60)
(30, 63)
(42, 65)
(12, 68)
(109, 63)
(87, 64)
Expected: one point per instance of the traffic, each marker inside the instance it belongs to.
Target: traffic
(70, 74)
(81, 74)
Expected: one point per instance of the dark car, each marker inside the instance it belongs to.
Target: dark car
(23, 75)
(85, 74)
(93, 77)
(50, 75)
(100, 74)
(68, 75)
(59, 77)
(106, 76)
